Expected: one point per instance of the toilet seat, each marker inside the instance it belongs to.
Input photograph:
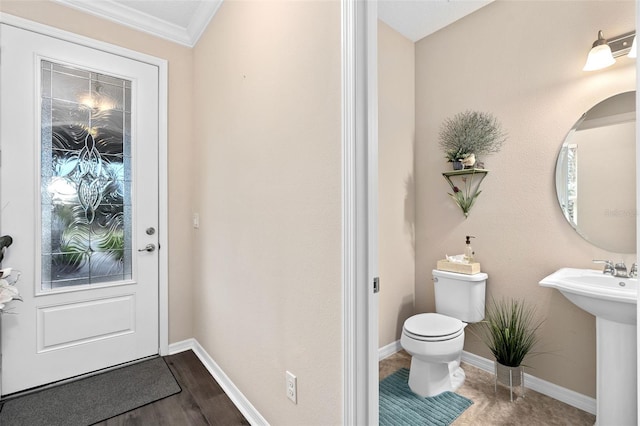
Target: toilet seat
(432, 327)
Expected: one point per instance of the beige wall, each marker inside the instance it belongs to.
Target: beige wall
(529, 74)
(180, 124)
(268, 254)
(396, 192)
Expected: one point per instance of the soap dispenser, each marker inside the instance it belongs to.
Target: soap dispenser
(468, 251)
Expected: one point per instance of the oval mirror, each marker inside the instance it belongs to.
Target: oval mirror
(596, 174)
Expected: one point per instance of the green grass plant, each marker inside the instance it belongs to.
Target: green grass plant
(510, 330)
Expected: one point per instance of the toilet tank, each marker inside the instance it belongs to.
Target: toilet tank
(460, 296)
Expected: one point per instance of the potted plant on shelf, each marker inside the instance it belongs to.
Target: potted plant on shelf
(470, 135)
(510, 331)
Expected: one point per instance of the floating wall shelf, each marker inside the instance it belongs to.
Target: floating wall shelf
(465, 186)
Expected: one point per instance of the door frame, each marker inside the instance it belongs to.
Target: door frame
(163, 253)
(359, 33)
(638, 208)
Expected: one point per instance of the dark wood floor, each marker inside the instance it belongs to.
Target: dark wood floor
(201, 402)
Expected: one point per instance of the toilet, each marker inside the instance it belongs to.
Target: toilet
(435, 340)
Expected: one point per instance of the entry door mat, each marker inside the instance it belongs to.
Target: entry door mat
(400, 406)
(93, 399)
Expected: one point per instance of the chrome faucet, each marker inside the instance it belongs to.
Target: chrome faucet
(619, 269)
(608, 267)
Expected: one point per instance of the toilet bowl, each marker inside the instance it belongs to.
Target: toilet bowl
(435, 340)
(435, 344)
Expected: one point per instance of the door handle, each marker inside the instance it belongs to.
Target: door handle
(149, 248)
(5, 241)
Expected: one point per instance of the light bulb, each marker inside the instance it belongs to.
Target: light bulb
(599, 57)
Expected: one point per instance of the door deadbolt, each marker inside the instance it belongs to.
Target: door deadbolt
(151, 230)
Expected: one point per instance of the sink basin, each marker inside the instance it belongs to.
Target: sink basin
(613, 301)
(604, 296)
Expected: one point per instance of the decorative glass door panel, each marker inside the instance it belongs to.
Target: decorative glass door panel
(86, 177)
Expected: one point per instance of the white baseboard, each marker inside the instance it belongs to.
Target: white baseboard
(239, 400)
(185, 345)
(388, 350)
(575, 399)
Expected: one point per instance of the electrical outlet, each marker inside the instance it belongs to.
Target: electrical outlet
(292, 387)
(196, 221)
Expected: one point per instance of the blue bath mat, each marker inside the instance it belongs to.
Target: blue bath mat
(400, 406)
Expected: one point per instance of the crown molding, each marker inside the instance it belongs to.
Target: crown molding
(201, 18)
(122, 14)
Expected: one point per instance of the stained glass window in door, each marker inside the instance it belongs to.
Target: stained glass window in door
(86, 177)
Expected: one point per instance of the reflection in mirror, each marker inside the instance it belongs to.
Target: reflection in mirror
(596, 174)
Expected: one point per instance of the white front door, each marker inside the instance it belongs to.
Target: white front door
(79, 196)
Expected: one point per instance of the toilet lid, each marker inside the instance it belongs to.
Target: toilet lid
(433, 326)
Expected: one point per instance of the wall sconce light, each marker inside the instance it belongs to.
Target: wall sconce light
(632, 52)
(604, 51)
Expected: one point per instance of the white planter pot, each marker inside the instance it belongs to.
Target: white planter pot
(509, 376)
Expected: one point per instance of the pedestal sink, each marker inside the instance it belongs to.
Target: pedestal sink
(612, 300)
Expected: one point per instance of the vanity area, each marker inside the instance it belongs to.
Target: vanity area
(588, 178)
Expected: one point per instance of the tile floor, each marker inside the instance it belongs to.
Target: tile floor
(494, 409)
